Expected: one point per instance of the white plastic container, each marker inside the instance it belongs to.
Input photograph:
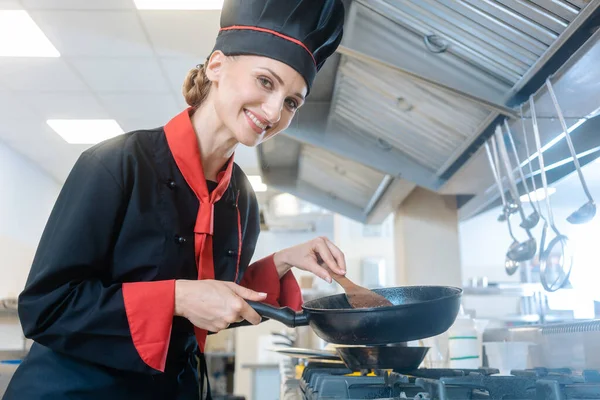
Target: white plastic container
(507, 356)
(464, 342)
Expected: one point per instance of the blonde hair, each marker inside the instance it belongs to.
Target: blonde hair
(196, 86)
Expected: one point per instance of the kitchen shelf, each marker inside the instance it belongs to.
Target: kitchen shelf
(219, 354)
(506, 289)
(8, 312)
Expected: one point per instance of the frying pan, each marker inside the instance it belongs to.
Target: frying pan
(418, 312)
(399, 358)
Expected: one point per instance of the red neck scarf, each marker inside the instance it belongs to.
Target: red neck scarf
(184, 146)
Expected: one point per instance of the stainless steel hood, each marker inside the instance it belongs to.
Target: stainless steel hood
(418, 86)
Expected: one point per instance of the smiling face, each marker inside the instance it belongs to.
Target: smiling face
(254, 97)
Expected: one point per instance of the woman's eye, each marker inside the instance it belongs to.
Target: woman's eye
(292, 104)
(265, 82)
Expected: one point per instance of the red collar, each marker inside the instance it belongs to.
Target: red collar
(183, 143)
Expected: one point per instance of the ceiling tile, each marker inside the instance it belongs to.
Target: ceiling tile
(30, 133)
(145, 110)
(37, 141)
(177, 69)
(130, 125)
(94, 33)
(181, 103)
(65, 105)
(122, 75)
(13, 108)
(79, 4)
(39, 74)
(194, 37)
(10, 5)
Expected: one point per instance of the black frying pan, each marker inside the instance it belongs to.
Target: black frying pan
(418, 312)
(399, 358)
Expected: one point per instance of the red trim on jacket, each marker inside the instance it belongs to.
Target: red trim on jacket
(262, 276)
(150, 307)
(240, 241)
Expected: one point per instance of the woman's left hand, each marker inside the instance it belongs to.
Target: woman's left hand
(307, 256)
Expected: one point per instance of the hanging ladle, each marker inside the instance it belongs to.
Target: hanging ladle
(527, 249)
(510, 266)
(587, 211)
(508, 209)
(508, 205)
(565, 259)
(532, 175)
(533, 218)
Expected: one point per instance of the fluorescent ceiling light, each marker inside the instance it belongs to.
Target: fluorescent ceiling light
(538, 195)
(21, 37)
(179, 4)
(554, 141)
(257, 183)
(85, 131)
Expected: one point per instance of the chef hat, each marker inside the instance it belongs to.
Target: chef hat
(299, 33)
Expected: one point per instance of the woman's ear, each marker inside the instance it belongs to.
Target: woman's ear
(214, 66)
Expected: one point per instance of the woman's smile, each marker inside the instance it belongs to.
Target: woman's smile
(258, 124)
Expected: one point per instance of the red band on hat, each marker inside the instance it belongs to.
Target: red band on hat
(256, 28)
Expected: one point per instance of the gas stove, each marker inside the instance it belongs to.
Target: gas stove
(322, 381)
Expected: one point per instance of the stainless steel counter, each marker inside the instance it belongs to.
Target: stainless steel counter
(574, 345)
(7, 370)
(6, 373)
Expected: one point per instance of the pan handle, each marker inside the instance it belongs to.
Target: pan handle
(285, 315)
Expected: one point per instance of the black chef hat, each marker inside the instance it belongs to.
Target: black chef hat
(299, 33)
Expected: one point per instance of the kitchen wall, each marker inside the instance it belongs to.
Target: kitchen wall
(483, 245)
(361, 243)
(432, 247)
(426, 240)
(26, 199)
(270, 241)
(484, 241)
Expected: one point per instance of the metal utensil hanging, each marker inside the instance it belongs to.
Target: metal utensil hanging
(537, 197)
(565, 257)
(526, 249)
(587, 211)
(510, 266)
(508, 205)
(533, 218)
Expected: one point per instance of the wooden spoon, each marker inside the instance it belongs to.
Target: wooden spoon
(358, 296)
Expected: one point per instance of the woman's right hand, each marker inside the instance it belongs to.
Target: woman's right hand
(214, 305)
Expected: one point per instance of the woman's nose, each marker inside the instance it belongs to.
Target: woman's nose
(272, 110)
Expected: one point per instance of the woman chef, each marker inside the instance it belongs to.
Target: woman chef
(148, 245)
